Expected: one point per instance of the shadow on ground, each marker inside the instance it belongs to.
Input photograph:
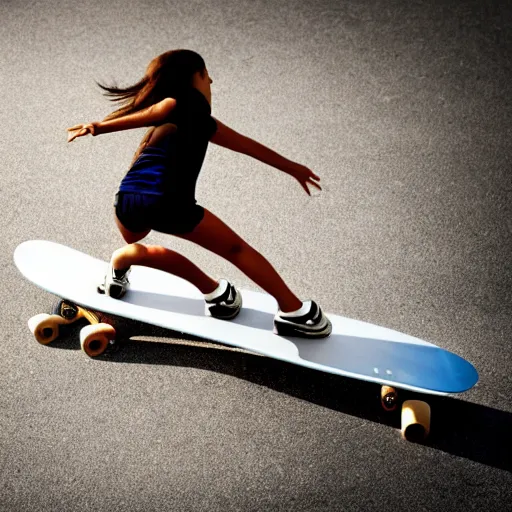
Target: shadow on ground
(461, 428)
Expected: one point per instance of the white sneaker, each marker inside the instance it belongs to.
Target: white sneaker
(307, 322)
(116, 282)
(224, 303)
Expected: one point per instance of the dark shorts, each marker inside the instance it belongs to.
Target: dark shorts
(142, 212)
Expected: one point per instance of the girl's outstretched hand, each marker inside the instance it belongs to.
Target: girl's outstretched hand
(80, 130)
(304, 176)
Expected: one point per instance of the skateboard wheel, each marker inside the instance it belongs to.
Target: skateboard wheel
(94, 339)
(388, 398)
(415, 420)
(45, 328)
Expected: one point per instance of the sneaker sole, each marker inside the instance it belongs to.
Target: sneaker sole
(287, 330)
(230, 317)
(224, 317)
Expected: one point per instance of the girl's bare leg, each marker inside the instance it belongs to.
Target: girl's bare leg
(213, 234)
(161, 259)
(164, 259)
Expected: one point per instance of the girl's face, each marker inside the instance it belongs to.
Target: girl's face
(202, 83)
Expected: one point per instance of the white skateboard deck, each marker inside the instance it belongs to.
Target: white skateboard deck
(354, 349)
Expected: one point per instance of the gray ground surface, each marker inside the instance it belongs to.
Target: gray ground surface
(403, 108)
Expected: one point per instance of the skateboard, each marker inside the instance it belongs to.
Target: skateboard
(355, 349)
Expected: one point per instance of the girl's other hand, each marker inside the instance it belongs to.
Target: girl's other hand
(304, 176)
(80, 130)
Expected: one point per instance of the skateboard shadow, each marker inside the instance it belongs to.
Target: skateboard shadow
(461, 428)
(472, 431)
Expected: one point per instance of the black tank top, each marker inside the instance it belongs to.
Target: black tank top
(172, 168)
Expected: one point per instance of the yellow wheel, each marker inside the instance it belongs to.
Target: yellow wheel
(415, 420)
(45, 328)
(94, 339)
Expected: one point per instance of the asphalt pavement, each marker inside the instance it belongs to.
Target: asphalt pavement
(403, 109)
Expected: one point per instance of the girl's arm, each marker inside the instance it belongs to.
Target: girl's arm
(229, 138)
(151, 116)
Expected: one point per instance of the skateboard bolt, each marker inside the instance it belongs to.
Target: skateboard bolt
(68, 312)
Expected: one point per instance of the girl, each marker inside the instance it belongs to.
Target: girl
(158, 192)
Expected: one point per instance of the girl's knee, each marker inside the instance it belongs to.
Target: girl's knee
(133, 252)
(149, 252)
(156, 250)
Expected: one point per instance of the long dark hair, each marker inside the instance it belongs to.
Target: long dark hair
(169, 74)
